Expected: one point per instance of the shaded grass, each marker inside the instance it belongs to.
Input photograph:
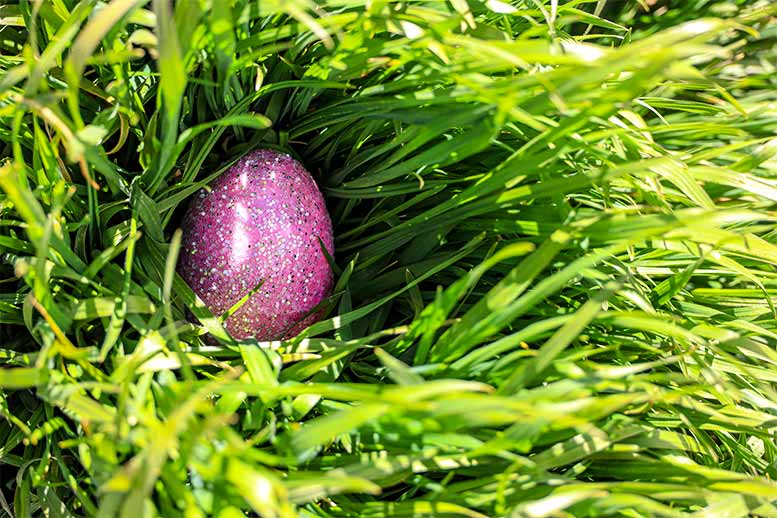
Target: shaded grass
(556, 258)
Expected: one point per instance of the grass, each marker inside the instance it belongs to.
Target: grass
(556, 259)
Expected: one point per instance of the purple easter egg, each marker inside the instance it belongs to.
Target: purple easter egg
(260, 224)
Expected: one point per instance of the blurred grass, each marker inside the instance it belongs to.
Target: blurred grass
(555, 247)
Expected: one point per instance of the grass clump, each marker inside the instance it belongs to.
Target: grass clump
(555, 247)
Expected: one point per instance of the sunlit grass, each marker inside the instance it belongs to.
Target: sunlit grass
(556, 259)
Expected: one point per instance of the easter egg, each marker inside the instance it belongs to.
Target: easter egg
(259, 227)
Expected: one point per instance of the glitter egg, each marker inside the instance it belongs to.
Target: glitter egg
(259, 227)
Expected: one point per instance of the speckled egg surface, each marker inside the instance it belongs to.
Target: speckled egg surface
(260, 222)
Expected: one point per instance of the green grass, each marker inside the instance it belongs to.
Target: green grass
(556, 254)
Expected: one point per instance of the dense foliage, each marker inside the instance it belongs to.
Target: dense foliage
(556, 259)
